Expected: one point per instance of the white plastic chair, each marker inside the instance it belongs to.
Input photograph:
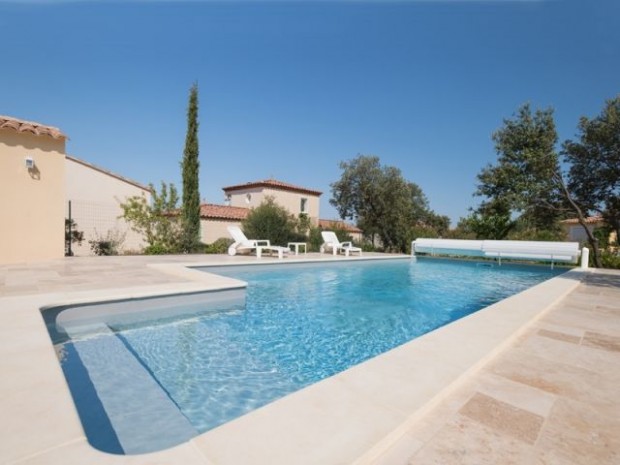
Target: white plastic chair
(243, 243)
(330, 241)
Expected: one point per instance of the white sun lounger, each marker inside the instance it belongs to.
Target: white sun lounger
(330, 241)
(259, 245)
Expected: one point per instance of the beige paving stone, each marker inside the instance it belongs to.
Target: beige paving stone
(519, 395)
(576, 432)
(581, 356)
(570, 330)
(557, 378)
(585, 319)
(560, 336)
(503, 417)
(602, 341)
(464, 441)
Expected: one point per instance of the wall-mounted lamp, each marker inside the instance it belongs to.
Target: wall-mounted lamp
(29, 162)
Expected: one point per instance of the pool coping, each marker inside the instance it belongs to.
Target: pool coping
(350, 418)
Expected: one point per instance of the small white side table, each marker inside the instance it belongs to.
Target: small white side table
(297, 245)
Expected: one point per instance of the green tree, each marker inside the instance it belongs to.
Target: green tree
(491, 221)
(521, 184)
(594, 173)
(271, 221)
(190, 166)
(380, 201)
(158, 222)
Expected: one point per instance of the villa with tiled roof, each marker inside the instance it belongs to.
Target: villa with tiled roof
(241, 198)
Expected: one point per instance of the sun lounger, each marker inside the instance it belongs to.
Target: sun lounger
(258, 245)
(330, 241)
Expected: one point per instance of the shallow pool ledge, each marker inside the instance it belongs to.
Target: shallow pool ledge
(353, 417)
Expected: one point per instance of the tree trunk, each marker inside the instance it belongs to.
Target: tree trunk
(596, 255)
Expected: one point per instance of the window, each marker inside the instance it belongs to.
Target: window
(248, 198)
(304, 205)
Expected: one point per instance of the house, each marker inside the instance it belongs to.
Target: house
(241, 198)
(575, 232)
(95, 195)
(38, 182)
(32, 191)
(296, 199)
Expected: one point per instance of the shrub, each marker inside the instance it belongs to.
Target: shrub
(314, 239)
(610, 259)
(156, 249)
(273, 222)
(219, 246)
(109, 244)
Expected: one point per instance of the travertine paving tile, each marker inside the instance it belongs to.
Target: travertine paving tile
(559, 336)
(602, 341)
(464, 441)
(577, 432)
(503, 417)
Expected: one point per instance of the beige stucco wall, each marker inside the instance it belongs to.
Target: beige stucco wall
(95, 206)
(31, 203)
(289, 200)
(212, 230)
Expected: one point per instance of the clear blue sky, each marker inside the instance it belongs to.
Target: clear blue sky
(288, 89)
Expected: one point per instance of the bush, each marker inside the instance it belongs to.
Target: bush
(314, 239)
(273, 222)
(610, 259)
(157, 249)
(219, 246)
(109, 244)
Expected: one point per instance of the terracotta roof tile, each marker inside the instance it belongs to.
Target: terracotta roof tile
(338, 224)
(223, 212)
(589, 220)
(274, 184)
(18, 125)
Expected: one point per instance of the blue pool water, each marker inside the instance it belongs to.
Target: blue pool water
(299, 324)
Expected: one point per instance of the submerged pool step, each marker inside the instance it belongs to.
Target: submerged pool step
(142, 415)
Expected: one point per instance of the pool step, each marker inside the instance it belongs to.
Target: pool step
(142, 415)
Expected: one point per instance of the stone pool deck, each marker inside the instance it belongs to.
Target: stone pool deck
(537, 385)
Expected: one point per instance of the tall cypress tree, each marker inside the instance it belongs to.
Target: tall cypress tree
(190, 165)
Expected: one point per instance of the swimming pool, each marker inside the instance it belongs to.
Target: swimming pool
(299, 324)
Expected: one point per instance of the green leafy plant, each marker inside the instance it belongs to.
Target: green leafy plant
(273, 222)
(158, 222)
(110, 244)
(220, 246)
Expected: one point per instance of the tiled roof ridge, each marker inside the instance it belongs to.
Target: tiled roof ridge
(589, 220)
(32, 127)
(109, 173)
(274, 183)
(340, 224)
(223, 212)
